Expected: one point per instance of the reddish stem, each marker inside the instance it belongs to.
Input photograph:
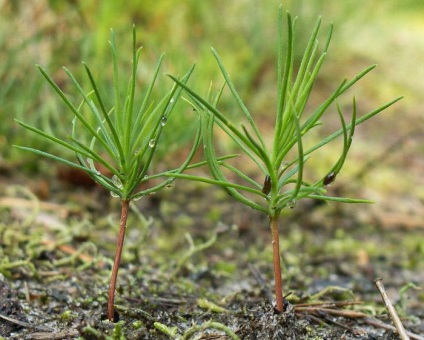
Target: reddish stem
(117, 261)
(277, 265)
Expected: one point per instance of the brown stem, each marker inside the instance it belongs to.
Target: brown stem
(277, 265)
(117, 261)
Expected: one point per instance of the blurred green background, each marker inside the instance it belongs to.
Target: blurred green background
(387, 157)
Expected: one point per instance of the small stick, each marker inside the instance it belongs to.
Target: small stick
(314, 318)
(338, 312)
(341, 325)
(25, 324)
(395, 317)
(379, 324)
(328, 304)
(70, 333)
(67, 249)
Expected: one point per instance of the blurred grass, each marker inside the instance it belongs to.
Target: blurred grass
(55, 33)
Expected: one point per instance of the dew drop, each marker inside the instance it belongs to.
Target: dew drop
(113, 194)
(163, 121)
(138, 198)
(172, 100)
(152, 143)
(116, 182)
(291, 204)
(284, 166)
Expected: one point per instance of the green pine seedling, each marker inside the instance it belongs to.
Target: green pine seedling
(283, 178)
(122, 139)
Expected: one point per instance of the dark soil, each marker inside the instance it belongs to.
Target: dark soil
(200, 268)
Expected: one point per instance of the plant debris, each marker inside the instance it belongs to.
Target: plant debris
(57, 267)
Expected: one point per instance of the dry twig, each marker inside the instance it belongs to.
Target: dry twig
(23, 323)
(393, 314)
(376, 323)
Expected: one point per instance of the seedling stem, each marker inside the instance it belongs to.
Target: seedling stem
(120, 243)
(277, 265)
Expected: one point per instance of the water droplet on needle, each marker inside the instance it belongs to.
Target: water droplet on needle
(291, 204)
(116, 182)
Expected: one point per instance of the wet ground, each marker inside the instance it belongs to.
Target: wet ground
(196, 265)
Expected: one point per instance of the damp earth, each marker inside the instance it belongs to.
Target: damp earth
(196, 265)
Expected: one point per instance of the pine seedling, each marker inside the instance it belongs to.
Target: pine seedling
(282, 173)
(121, 139)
